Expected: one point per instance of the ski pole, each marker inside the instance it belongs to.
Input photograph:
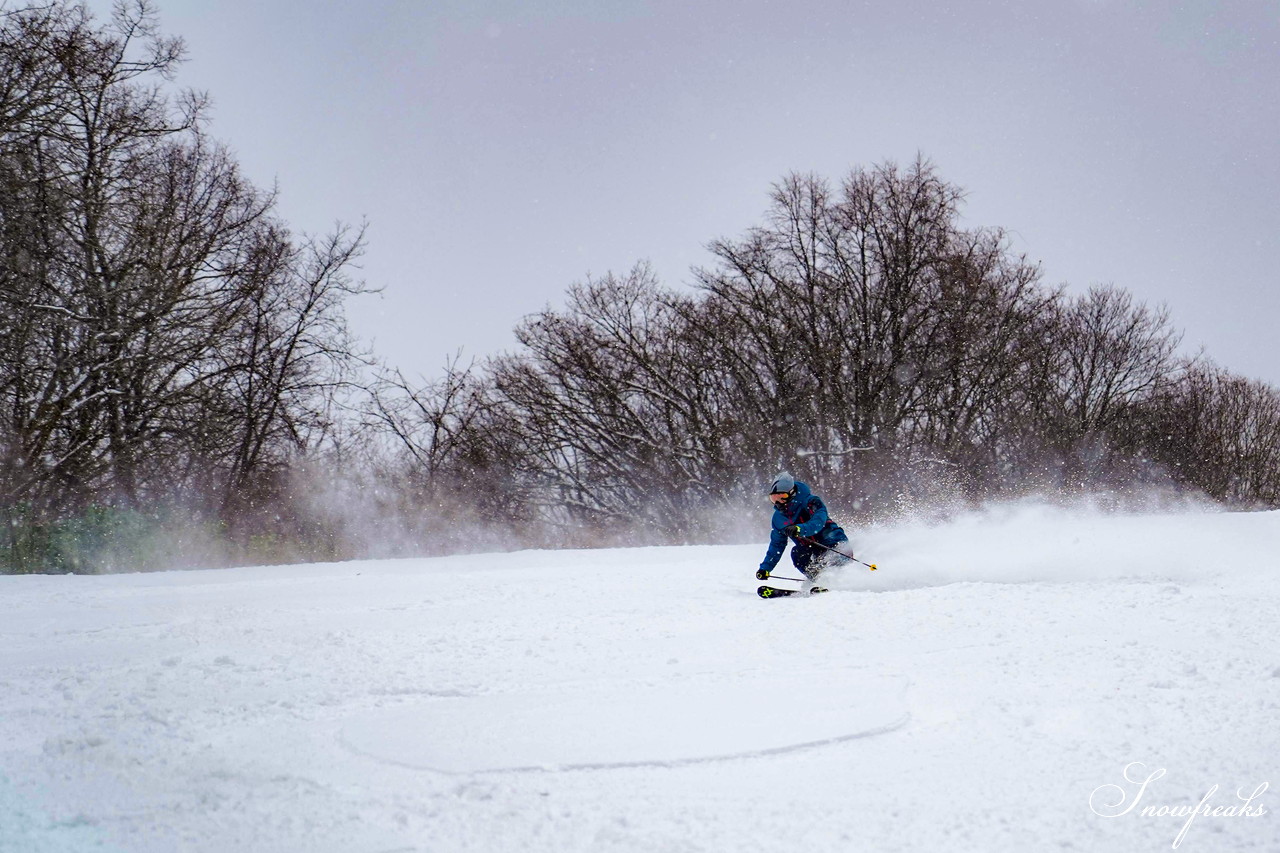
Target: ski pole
(871, 566)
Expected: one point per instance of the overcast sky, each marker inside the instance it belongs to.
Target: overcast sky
(503, 149)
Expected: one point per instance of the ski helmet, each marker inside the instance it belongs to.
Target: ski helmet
(783, 484)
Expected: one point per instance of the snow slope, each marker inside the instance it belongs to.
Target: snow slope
(985, 690)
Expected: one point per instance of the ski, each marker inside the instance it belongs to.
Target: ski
(774, 592)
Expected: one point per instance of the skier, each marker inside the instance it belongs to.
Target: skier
(801, 515)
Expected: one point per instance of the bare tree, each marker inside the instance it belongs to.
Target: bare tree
(873, 325)
(1114, 352)
(79, 127)
(623, 412)
(1109, 356)
(165, 338)
(289, 353)
(1217, 433)
(432, 422)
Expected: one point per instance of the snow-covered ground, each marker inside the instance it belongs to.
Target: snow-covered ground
(988, 689)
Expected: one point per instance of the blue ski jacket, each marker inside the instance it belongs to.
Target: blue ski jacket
(807, 511)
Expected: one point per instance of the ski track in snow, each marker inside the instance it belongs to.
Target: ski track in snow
(665, 726)
(970, 695)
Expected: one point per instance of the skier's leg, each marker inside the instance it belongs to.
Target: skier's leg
(803, 557)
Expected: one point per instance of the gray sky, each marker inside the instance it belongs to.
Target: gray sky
(502, 150)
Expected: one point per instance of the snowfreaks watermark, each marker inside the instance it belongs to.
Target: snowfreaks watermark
(1118, 800)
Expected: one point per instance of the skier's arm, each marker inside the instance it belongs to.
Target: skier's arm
(817, 521)
(777, 544)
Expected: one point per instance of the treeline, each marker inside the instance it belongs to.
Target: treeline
(177, 382)
(168, 348)
(861, 337)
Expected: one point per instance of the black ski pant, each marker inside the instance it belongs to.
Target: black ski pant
(811, 559)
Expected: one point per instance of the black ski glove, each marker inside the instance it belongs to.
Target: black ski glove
(791, 531)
